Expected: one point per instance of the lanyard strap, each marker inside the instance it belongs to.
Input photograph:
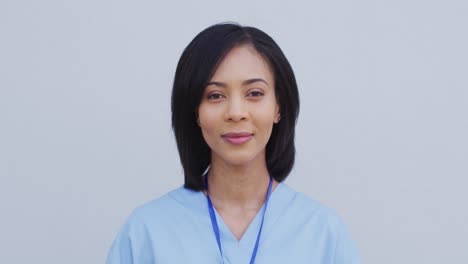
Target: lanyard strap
(214, 223)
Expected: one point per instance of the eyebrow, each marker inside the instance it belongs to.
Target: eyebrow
(246, 82)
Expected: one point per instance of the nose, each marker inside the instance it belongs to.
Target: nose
(236, 110)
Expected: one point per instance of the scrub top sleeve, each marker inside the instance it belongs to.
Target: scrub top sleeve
(131, 246)
(345, 250)
(121, 249)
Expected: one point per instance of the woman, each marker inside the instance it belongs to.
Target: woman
(234, 108)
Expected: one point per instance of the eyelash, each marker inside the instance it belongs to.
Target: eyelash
(217, 96)
(256, 92)
(213, 95)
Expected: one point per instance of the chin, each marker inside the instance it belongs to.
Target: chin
(239, 159)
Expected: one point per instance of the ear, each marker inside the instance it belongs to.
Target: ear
(197, 118)
(277, 114)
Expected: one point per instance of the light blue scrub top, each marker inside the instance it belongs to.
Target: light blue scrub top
(176, 228)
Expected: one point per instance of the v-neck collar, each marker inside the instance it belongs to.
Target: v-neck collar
(280, 198)
(250, 235)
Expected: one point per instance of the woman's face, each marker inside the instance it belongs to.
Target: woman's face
(239, 108)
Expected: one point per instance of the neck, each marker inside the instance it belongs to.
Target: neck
(243, 187)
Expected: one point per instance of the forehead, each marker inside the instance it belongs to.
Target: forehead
(242, 63)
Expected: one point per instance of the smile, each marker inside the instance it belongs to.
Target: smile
(237, 138)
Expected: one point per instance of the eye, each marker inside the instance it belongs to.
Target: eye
(215, 96)
(255, 94)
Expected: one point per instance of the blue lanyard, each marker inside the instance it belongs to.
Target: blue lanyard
(214, 223)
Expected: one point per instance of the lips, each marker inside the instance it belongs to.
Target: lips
(237, 138)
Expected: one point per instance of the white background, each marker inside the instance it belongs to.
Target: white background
(85, 133)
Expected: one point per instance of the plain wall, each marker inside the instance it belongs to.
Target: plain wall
(85, 133)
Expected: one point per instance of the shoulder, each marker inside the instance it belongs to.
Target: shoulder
(166, 206)
(315, 217)
(309, 207)
(157, 218)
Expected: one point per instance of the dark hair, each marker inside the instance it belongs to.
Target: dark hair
(195, 69)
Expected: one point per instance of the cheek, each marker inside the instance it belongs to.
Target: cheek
(208, 132)
(207, 124)
(265, 123)
(207, 118)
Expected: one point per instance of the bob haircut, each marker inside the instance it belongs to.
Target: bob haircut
(196, 67)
